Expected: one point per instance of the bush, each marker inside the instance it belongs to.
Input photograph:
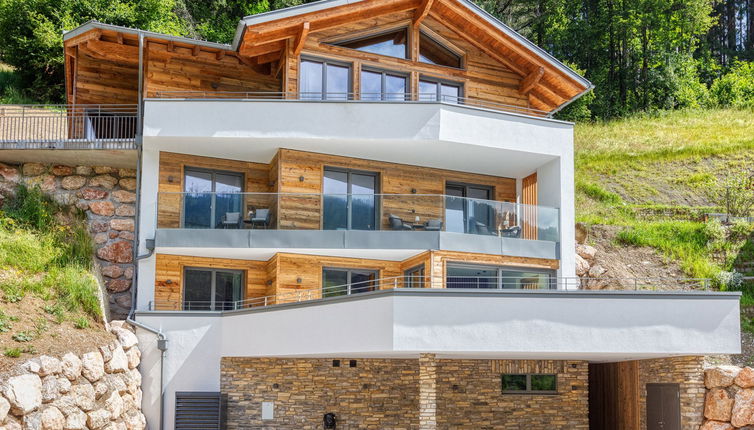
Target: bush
(741, 229)
(729, 281)
(714, 232)
(735, 88)
(735, 194)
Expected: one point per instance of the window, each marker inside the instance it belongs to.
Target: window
(433, 52)
(468, 208)
(436, 90)
(211, 198)
(391, 43)
(380, 85)
(414, 277)
(498, 277)
(324, 80)
(211, 289)
(529, 383)
(342, 282)
(350, 200)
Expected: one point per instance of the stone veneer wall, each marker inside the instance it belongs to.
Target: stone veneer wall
(427, 393)
(107, 196)
(100, 389)
(469, 396)
(688, 372)
(729, 402)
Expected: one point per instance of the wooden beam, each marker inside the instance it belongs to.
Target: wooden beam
(422, 11)
(253, 51)
(268, 58)
(301, 38)
(195, 50)
(119, 37)
(171, 46)
(89, 35)
(220, 55)
(110, 51)
(531, 80)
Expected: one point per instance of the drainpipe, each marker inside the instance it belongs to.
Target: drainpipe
(162, 341)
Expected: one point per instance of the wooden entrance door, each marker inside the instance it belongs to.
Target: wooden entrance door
(663, 407)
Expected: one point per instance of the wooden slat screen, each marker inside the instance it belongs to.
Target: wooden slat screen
(529, 198)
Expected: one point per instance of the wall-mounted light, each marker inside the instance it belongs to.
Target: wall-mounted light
(301, 179)
(169, 281)
(269, 282)
(170, 179)
(413, 190)
(214, 85)
(299, 280)
(276, 386)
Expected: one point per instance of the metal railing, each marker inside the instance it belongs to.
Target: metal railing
(401, 212)
(68, 126)
(541, 283)
(353, 97)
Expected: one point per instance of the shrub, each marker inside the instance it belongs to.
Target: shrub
(735, 88)
(741, 229)
(729, 281)
(714, 231)
(735, 194)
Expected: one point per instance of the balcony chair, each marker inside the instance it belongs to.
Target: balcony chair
(261, 218)
(396, 223)
(514, 231)
(231, 220)
(481, 228)
(433, 225)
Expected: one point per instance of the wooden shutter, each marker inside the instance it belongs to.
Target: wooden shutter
(529, 213)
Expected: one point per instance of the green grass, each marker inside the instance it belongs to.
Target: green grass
(48, 253)
(10, 87)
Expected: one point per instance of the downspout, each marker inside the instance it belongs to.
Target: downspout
(162, 341)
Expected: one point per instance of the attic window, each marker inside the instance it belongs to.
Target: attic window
(433, 52)
(392, 43)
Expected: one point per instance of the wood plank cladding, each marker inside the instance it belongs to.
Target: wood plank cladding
(529, 197)
(172, 168)
(293, 277)
(614, 396)
(401, 179)
(180, 69)
(169, 271)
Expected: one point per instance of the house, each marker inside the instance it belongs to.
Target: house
(362, 211)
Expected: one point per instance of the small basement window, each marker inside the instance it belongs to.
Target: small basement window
(529, 383)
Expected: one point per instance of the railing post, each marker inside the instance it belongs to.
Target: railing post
(265, 300)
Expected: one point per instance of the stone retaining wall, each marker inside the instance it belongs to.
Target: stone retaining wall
(729, 402)
(107, 195)
(100, 389)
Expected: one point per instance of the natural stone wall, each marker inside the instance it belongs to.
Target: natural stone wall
(469, 396)
(107, 195)
(100, 389)
(688, 373)
(729, 402)
(425, 393)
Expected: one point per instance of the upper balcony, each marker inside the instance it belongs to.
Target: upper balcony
(356, 221)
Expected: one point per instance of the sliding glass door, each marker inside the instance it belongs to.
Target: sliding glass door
(350, 201)
(211, 289)
(468, 210)
(211, 198)
(341, 282)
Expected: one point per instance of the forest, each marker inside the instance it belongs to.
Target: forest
(641, 55)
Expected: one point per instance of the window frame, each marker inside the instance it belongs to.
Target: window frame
(383, 76)
(438, 40)
(349, 275)
(528, 390)
(213, 204)
(324, 62)
(439, 82)
(408, 277)
(377, 33)
(499, 269)
(377, 186)
(213, 284)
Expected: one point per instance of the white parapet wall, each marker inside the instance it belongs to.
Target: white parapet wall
(595, 326)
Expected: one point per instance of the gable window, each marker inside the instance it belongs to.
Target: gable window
(438, 90)
(529, 384)
(343, 282)
(498, 277)
(392, 43)
(414, 277)
(211, 289)
(324, 80)
(382, 85)
(433, 52)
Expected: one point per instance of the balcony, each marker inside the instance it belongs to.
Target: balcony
(73, 127)
(356, 221)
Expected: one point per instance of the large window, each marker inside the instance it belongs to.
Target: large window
(414, 277)
(468, 208)
(437, 90)
(382, 85)
(324, 80)
(433, 52)
(211, 289)
(498, 277)
(342, 282)
(212, 198)
(529, 384)
(392, 43)
(350, 201)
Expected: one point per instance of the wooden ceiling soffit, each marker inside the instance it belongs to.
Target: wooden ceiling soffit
(471, 20)
(422, 11)
(290, 27)
(531, 80)
(89, 35)
(268, 58)
(259, 68)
